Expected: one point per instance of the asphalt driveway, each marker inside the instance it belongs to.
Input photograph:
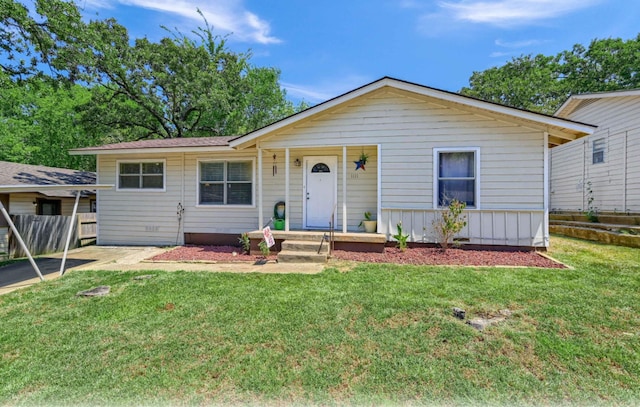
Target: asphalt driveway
(21, 274)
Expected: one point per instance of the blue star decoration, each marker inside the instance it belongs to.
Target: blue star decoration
(359, 164)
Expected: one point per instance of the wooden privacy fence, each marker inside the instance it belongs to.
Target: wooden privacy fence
(48, 234)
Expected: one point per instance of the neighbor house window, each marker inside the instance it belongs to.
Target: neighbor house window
(226, 183)
(141, 175)
(456, 176)
(48, 207)
(598, 151)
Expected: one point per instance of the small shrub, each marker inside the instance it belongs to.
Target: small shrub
(449, 222)
(592, 211)
(264, 248)
(401, 238)
(245, 242)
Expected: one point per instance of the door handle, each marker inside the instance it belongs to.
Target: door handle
(307, 196)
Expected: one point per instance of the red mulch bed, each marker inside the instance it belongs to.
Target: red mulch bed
(415, 255)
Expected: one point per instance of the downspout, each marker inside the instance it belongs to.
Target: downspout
(624, 172)
(182, 213)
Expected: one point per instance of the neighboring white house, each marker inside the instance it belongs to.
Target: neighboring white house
(41, 202)
(603, 168)
(422, 144)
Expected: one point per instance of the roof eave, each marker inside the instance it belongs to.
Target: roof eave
(58, 187)
(151, 150)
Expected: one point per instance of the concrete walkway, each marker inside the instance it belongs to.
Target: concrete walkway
(21, 274)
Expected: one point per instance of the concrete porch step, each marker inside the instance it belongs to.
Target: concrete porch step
(287, 256)
(305, 246)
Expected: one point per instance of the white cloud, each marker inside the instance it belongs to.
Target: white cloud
(511, 12)
(518, 44)
(498, 54)
(223, 15)
(325, 90)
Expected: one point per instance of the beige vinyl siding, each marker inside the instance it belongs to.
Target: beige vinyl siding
(633, 171)
(614, 182)
(22, 204)
(409, 128)
(217, 218)
(139, 217)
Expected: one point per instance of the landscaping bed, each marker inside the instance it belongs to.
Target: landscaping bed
(415, 256)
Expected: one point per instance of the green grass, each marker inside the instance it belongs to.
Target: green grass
(378, 334)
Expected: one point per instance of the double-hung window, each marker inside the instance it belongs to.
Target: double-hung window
(141, 175)
(226, 183)
(456, 176)
(598, 151)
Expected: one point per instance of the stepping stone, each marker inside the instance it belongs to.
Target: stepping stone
(98, 291)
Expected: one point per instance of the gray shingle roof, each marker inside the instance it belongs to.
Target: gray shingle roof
(164, 143)
(23, 174)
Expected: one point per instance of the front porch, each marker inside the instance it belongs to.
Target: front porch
(363, 242)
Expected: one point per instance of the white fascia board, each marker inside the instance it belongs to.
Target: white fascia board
(569, 104)
(159, 150)
(496, 108)
(36, 188)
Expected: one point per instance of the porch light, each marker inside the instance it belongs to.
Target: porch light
(297, 162)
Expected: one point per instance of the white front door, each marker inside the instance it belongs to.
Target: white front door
(320, 192)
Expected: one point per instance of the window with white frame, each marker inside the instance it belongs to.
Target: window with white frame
(456, 176)
(226, 183)
(598, 151)
(141, 175)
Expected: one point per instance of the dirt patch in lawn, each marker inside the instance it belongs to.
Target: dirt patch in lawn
(415, 256)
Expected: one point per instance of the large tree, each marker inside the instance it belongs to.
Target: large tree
(181, 86)
(542, 83)
(40, 120)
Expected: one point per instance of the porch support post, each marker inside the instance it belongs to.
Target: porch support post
(546, 190)
(20, 241)
(379, 193)
(286, 188)
(70, 233)
(344, 189)
(260, 206)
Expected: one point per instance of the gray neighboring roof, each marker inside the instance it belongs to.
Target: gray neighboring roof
(15, 174)
(158, 144)
(574, 101)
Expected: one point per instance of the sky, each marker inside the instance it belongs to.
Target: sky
(325, 48)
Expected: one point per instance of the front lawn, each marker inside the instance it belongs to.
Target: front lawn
(378, 334)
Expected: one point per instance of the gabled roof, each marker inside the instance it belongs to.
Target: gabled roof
(560, 130)
(563, 130)
(33, 177)
(574, 101)
(159, 145)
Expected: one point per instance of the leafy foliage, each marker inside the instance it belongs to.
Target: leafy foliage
(181, 86)
(40, 120)
(542, 83)
(449, 222)
(401, 238)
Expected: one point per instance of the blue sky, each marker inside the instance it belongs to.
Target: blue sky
(326, 48)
